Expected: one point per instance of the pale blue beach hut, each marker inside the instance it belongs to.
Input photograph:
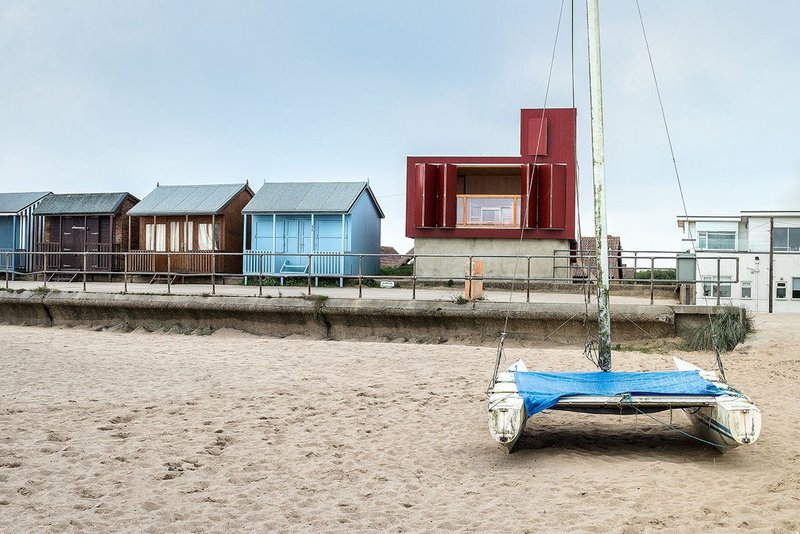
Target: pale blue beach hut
(18, 229)
(336, 221)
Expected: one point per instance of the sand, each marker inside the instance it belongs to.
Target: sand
(148, 432)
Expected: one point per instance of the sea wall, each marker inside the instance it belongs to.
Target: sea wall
(416, 321)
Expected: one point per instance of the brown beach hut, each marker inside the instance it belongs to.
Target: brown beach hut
(74, 223)
(184, 225)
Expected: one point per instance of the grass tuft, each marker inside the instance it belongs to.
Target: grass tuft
(730, 327)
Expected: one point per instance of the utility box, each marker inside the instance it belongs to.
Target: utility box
(686, 268)
(473, 283)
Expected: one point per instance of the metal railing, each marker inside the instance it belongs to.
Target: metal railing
(267, 268)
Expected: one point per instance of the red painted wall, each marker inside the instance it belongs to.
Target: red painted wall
(547, 144)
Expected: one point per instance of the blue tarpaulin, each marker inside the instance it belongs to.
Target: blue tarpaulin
(541, 391)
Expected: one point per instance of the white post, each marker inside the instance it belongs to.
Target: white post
(598, 180)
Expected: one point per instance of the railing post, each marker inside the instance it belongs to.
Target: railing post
(718, 282)
(169, 276)
(6, 270)
(84, 268)
(652, 276)
(260, 275)
(414, 277)
(309, 274)
(469, 279)
(213, 272)
(125, 276)
(360, 270)
(44, 276)
(528, 282)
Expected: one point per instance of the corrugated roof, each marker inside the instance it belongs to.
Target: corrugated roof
(187, 199)
(308, 197)
(81, 203)
(16, 202)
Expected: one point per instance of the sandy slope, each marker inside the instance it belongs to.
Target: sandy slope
(103, 431)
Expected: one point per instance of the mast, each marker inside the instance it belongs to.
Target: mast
(598, 182)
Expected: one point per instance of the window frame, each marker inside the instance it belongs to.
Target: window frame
(747, 284)
(795, 289)
(703, 239)
(780, 284)
(725, 283)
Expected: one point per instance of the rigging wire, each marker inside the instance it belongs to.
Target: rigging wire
(529, 185)
(680, 185)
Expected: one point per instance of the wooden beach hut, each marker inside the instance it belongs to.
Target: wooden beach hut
(17, 229)
(83, 222)
(184, 225)
(294, 219)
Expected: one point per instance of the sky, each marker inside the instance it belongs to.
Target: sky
(117, 96)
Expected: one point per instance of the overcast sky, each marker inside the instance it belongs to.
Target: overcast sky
(115, 96)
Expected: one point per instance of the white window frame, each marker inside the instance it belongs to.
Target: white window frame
(795, 287)
(710, 287)
(781, 284)
(748, 285)
(702, 239)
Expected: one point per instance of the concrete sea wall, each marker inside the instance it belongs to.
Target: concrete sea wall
(416, 321)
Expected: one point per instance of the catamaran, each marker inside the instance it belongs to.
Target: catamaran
(721, 415)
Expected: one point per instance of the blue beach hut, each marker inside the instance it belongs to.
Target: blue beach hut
(295, 219)
(18, 230)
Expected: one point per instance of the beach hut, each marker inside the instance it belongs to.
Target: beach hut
(297, 219)
(83, 222)
(17, 229)
(193, 222)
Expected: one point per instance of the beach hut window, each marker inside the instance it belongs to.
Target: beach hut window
(188, 235)
(156, 237)
(780, 290)
(204, 237)
(174, 236)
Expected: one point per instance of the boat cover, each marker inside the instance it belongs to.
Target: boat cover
(541, 391)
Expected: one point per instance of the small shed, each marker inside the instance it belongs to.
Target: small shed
(336, 220)
(17, 229)
(74, 223)
(191, 223)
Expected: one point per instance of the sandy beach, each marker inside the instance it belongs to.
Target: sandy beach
(156, 432)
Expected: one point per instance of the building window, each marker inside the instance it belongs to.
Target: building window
(156, 237)
(747, 290)
(786, 239)
(710, 286)
(780, 290)
(796, 288)
(204, 237)
(716, 240)
(174, 236)
(188, 235)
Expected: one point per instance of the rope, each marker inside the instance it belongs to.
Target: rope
(628, 400)
(528, 188)
(677, 178)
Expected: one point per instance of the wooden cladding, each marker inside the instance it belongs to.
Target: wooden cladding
(546, 184)
(537, 137)
(436, 196)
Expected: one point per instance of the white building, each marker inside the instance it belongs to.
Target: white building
(739, 247)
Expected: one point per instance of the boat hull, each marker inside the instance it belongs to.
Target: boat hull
(507, 415)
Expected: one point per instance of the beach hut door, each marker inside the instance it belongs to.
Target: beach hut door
(73, 239)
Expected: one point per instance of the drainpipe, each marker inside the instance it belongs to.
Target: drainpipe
(771, 258)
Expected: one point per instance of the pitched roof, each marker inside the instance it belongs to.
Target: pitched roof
(16, 202)
(187, 199)
(81, 203)
(309, 197)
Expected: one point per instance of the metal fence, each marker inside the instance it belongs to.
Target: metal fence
(262, 268)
